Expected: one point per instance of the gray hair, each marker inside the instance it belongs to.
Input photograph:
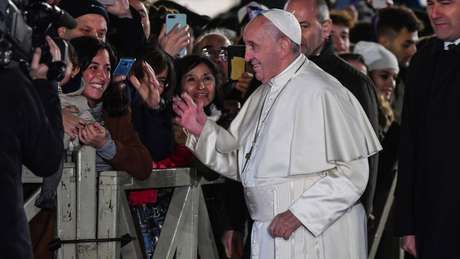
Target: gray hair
(295, 48)
(219, 32)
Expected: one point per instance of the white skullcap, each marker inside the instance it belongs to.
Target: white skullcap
(376, 56)
(286, 23)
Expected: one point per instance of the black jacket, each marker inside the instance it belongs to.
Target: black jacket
(127, 35)
(31, 134)
(363, 89)
(428, 194)
(154, 127)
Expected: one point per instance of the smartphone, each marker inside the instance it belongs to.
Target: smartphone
(124, 66)
(236, 62)
(172, 20)
(176, 18)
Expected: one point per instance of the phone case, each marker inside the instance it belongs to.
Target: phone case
(124, 66)
(173, 19)
(236, 62)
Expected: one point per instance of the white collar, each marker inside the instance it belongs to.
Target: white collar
(289, 71)
(447, 43)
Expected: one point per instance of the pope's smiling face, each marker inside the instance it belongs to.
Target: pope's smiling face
(262, 49)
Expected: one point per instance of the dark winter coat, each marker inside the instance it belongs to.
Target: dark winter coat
(428, 193)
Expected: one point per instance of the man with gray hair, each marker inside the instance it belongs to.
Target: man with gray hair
(299, 146)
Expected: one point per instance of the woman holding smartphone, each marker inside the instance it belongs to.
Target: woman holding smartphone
(112, 135)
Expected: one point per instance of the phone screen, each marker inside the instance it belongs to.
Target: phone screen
(124, 66)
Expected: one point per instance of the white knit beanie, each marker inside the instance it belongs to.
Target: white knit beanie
(376, 56)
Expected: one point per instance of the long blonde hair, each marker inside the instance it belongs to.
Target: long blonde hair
(386, 114)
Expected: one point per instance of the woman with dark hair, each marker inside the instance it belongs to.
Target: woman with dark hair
(200, 78)
(151, 107)
(117, 144)
(109, 130)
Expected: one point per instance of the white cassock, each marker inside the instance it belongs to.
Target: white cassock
(310, 157)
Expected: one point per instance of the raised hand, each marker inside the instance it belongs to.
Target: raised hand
(120, 9)
(148, 87)
(40, 70)
(190, 115)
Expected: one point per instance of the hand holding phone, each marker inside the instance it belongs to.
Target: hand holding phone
(236, 62)
(123, 67)
(172, 19)
(178, 20)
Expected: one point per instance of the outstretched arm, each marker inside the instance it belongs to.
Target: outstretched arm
(205, 137)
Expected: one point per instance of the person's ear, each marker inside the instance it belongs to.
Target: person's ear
(326, 28)
(75, 71)
(285, 45)
(384, 41)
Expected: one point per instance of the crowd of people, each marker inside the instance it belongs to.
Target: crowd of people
(297, 132)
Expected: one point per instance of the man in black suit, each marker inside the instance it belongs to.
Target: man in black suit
(428, 195)
(313, 16)
(31, 134)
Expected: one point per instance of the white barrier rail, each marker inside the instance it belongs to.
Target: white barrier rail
(93, 213)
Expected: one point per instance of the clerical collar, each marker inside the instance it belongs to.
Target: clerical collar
(288, 72)
(447, 43)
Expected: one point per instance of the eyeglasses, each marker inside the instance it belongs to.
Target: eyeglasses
(163, 82)
(217, 54)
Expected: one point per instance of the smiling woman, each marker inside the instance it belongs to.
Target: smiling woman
(383, 68)
(200, 78)
(112, 135)
(96, 77)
